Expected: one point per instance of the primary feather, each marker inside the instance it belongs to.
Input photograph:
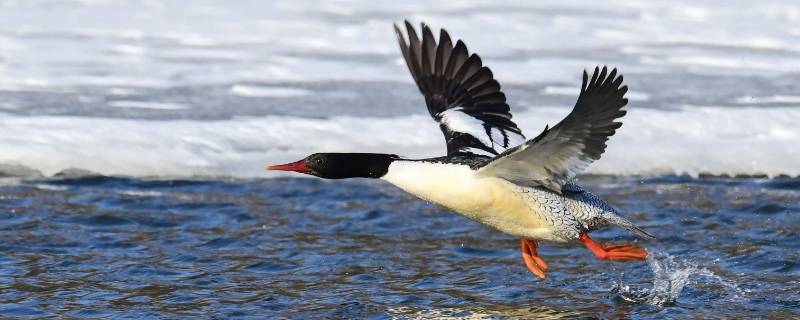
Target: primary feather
(559, 153)
(461, 94)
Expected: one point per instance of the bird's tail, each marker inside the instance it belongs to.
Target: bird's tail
(627, 225)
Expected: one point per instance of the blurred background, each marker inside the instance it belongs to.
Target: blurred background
(206, 88)
(134, 135)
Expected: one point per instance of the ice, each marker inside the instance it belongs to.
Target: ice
(147, 105)
(693, 140)
(262, 91)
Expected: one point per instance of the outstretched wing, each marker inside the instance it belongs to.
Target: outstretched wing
(460, 92)
(558, 154)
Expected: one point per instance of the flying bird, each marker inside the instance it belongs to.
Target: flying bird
(491, 173)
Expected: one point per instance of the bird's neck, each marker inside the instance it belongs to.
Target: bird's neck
(359, 165)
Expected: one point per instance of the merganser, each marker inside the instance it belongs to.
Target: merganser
(491, 174)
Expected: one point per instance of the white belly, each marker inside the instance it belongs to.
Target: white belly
(491, 201)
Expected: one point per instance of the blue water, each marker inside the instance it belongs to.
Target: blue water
(308, 248)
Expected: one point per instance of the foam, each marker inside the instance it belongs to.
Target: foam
(690, 140)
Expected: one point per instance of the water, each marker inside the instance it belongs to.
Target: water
(306, 248)
(134, 136)
(670, 276)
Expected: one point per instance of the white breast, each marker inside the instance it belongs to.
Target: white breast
(492, 201)
(445, 184)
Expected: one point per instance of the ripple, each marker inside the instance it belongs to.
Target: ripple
(479, 252)
(14, 310)
(220, 243)
(269, 267)
(771, 208)
(219, 248)
(104, 220)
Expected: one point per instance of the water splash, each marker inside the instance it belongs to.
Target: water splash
(670, 277)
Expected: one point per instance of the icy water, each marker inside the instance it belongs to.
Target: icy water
(133, 137)
(307, 248)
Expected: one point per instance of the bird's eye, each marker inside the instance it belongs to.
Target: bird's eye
(318, 161)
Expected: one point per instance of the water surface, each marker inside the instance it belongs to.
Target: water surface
(308, 248)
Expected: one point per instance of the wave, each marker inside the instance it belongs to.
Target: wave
(691, 140)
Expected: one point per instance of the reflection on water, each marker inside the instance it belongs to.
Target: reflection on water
(492, 312)
(307, 248)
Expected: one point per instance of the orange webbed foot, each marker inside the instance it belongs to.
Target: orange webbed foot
(621, 252)
(535, 264)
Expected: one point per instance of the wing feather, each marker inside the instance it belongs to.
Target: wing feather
(558, 154)
(460, 92)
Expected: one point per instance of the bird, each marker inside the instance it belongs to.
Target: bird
(491, 173)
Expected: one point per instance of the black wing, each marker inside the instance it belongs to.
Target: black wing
(557, 155)
(460, 92)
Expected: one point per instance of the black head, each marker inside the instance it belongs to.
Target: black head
(341, 165)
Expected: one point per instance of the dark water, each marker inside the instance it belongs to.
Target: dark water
(306, 248)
